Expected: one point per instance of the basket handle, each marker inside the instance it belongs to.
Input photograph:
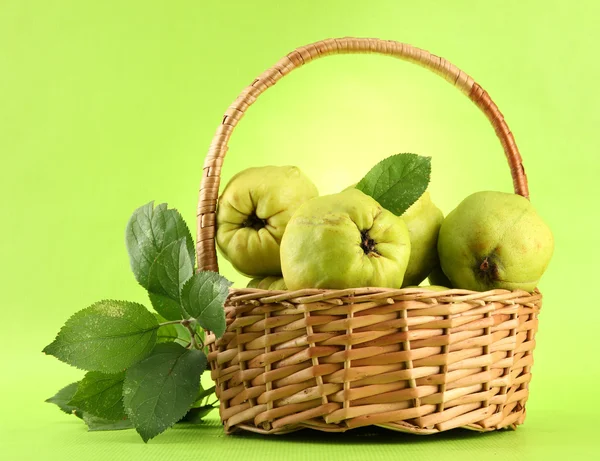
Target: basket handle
(209, 187)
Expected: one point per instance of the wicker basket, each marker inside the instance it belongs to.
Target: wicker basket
(332, 360)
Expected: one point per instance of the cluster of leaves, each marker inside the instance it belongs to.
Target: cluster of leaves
(144, 368)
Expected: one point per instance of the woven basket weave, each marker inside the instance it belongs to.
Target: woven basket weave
(333, 360)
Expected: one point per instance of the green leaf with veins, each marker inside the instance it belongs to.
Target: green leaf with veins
(148, 232)
(160, 390)
(108, 336)
(169, 271)
(95, 423)
(62, 398)
(203, 297)
(397, 181)
(101, 395)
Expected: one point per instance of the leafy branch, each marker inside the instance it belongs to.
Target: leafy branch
(144, 368)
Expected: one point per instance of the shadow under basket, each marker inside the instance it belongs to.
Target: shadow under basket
(407, 359)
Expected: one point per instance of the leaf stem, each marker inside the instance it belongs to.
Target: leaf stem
(200, 340)
(196, 344)
(171, 322)
(193, 343)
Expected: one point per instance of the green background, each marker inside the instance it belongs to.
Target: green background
(106, 105)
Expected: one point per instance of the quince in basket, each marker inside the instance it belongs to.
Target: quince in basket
(272, 282)
(253, 211)
(495, 240)
(344, 240)
(423, 220)
(384, 231)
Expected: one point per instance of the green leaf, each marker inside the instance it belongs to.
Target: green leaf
(171, 269)
(148, 232)
(101, 395)
(397, 181)
(62, 398)
(166, 306)
(196, 414)
(95, 423)
(108, 336)
(160, 390)
(203, 297)
(172, 333)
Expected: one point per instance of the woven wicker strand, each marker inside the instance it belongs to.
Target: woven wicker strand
(332, 360)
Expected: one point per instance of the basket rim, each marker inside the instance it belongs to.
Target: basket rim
(386, 295)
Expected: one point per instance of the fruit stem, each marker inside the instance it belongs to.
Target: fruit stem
(488, 270)
(367, 243)
(485, 265)
(254, 222)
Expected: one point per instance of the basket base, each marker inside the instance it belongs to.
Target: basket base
(340, 429)
(404, 427)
